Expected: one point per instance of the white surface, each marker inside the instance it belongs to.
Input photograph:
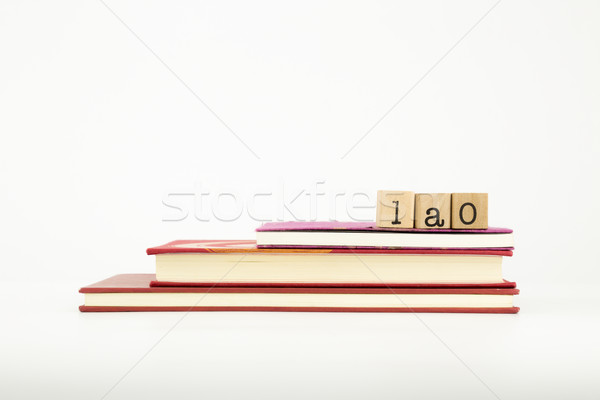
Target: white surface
(96, 134)
(549, 350)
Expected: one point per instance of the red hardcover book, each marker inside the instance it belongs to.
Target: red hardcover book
(207, 263)
(132, 292)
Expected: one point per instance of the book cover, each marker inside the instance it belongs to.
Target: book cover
(249, 246)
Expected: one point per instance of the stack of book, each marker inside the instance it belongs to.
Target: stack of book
(321, 266)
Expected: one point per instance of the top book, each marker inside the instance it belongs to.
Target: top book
(334, 234)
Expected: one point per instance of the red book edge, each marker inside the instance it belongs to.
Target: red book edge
(249, 246)
(507, 310)
(502, 285)
(388, 250)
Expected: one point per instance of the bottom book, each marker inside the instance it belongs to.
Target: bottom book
(132, 292)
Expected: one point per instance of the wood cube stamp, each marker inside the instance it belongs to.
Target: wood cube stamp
(395, 209)
(469, 210)
(432, 211)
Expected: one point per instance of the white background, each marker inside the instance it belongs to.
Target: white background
(104, 115)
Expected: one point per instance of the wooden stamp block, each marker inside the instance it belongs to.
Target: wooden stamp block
(469, 210)
(432, 211)
(395, 209)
